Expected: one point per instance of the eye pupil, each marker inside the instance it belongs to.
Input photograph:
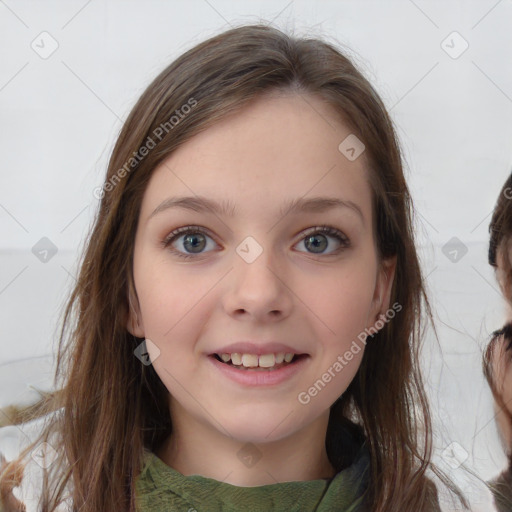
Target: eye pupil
(314, 240)
(191, 241)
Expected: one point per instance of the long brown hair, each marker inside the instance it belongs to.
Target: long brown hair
(112, 406)
(500, 230)
(500, 246)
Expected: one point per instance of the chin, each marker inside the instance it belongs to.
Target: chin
(259, 429)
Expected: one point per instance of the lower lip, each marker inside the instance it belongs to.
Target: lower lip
(260, 377)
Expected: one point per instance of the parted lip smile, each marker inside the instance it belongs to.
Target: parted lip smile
(246, 355)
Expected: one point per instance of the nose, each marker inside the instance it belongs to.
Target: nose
(258, 290)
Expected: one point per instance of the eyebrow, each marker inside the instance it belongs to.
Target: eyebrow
(301, 205)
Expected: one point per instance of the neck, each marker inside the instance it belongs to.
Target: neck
(198, 449)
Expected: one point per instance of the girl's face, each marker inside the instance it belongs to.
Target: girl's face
(255, 275)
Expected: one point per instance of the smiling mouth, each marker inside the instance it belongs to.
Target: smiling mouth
(265, 362)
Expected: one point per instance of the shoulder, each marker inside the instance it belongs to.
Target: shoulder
(501, 488)
(432, 496)
(28, 474)
(13, 438)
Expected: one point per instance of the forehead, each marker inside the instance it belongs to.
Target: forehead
(278, 148)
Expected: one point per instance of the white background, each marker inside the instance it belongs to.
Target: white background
(59, 117)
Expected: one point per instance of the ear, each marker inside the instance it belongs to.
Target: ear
(134, 324)
(383, 288)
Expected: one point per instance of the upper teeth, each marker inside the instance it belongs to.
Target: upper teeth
(253, 360)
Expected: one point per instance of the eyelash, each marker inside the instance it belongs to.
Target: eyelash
(324, 230)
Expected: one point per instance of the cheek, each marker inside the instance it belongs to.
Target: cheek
(507, 383)
(169, 294)
(176, 299)
(342, 299)
(502, 376)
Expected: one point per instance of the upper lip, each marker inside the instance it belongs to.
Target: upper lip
(250, 347)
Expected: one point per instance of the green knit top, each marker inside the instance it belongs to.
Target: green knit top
(161, 488)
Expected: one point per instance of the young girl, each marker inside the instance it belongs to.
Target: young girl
(247, 314)
(498, 356)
